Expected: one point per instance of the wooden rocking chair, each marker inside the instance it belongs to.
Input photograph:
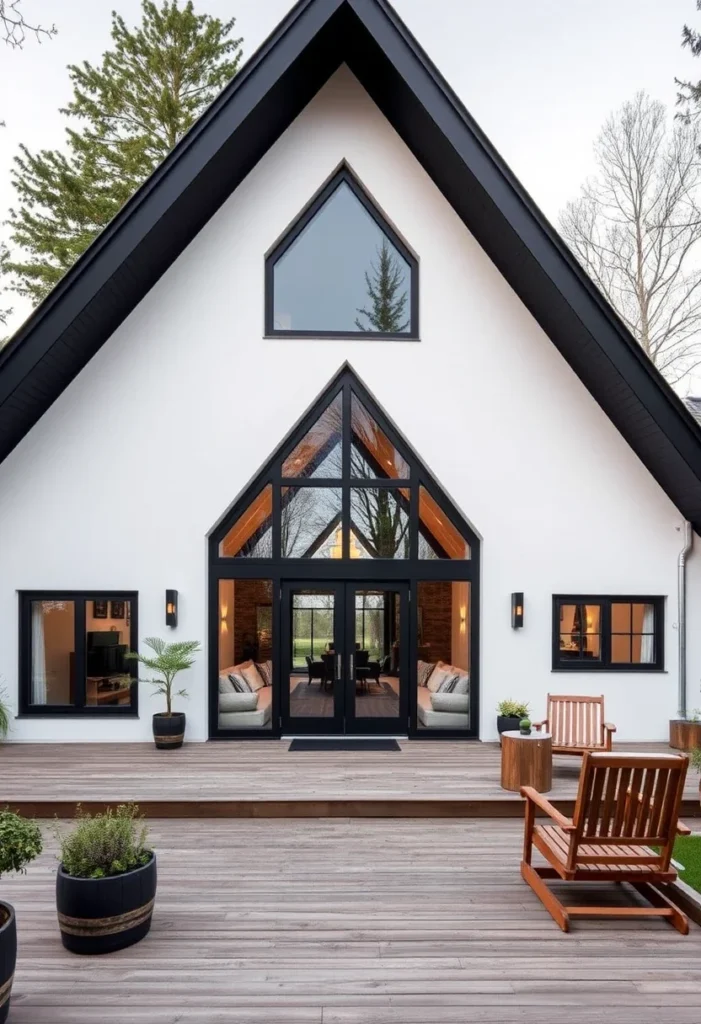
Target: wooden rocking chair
(577, 724)
(626, 804)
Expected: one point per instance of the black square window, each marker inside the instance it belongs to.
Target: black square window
(612, 633)
(73, 653)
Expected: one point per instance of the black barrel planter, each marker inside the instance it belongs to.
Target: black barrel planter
(8, 957)
(507, 723)
(169, 730)
(101, 915)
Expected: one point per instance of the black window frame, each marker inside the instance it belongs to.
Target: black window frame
(344, 174)
(605, 664)
(316, 572)
(79, 709)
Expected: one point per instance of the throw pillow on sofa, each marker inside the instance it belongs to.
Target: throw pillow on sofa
(226, 685)
(265, 671)
(456, 703)
(252, 676)
(437, 678)
(238, 702)
(239, 683)
(424, 671)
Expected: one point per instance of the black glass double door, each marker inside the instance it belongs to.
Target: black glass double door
(344, 658)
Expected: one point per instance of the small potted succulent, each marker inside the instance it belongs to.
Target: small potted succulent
(509, 715)
(167, 661)
(525, 726)
(20, 843)
(106, 881)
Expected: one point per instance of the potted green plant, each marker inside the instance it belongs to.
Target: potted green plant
(106, 881)
(509, 715)
(4, 714)
(20, 843)
(685, 733)
(167, 661)
(525, 726)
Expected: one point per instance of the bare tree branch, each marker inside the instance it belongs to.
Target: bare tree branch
(15, 28)
(636, 227)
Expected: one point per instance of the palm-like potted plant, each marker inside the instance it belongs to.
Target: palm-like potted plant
(106, 881)
(20, 843)
(167, 661)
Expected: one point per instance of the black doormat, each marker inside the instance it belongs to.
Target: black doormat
(330, 744)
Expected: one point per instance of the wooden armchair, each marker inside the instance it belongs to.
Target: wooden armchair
(626, 804)
(577, 724)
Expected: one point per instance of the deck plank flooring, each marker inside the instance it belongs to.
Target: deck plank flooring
(338, 921)
(249, 778)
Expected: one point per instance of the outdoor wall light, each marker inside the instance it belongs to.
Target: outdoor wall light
(171, 607)
(463, 618)
(223, 613)
(517, 610)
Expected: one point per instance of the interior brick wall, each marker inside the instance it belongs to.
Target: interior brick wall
(436, 604)
(248, 594)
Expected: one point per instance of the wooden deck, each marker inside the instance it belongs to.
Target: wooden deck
(351, 922)
(262, 779)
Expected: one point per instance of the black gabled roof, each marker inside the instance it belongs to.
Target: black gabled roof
(274, 86)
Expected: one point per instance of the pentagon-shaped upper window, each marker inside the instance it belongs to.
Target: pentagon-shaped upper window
(342, 270)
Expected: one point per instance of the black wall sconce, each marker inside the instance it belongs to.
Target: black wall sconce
(171, 607)
(517, 610)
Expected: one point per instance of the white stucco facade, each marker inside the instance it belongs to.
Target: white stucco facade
(119, 483)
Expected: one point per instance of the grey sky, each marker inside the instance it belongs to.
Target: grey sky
(539, 76)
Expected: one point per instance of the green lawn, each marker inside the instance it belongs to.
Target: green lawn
(687, 851)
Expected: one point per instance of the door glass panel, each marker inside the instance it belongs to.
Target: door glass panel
(245, 654)
(318, 454)
(373, 456)
(312, 657)
(53, 652)
(251, 536)
(108, 672)
(376, 660)
(443, 670)
(438, 537)
(310, 522)
(379, 522)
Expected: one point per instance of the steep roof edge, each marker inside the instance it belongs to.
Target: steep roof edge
(163, 216)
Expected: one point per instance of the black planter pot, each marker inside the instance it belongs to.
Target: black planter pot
(101, 915)
(507, 723)
(169, 730)
(8, 957)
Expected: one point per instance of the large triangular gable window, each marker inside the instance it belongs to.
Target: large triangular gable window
(342, 270)
(344, 486)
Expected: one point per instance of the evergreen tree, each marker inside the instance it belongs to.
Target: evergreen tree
(690, 95)
(384, 290)
(4, 313)
(126, 115)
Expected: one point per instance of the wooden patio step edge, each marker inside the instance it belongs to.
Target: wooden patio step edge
(304, 808)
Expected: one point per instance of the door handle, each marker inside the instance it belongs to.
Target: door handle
(352, 665)
(338, 667)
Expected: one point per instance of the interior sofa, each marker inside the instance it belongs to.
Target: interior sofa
(443, 708)
(249, 710)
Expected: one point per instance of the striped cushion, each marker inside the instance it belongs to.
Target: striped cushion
(239, 683)
(265, 671)
(424, 671)
(448, 685)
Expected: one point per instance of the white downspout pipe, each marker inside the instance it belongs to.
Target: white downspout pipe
(681, 598)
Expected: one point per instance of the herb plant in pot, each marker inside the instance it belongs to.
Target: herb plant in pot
(106, 881)
(509, 715)
(167, 661)
(20, 843)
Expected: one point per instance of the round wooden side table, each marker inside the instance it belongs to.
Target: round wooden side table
(526, 761)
